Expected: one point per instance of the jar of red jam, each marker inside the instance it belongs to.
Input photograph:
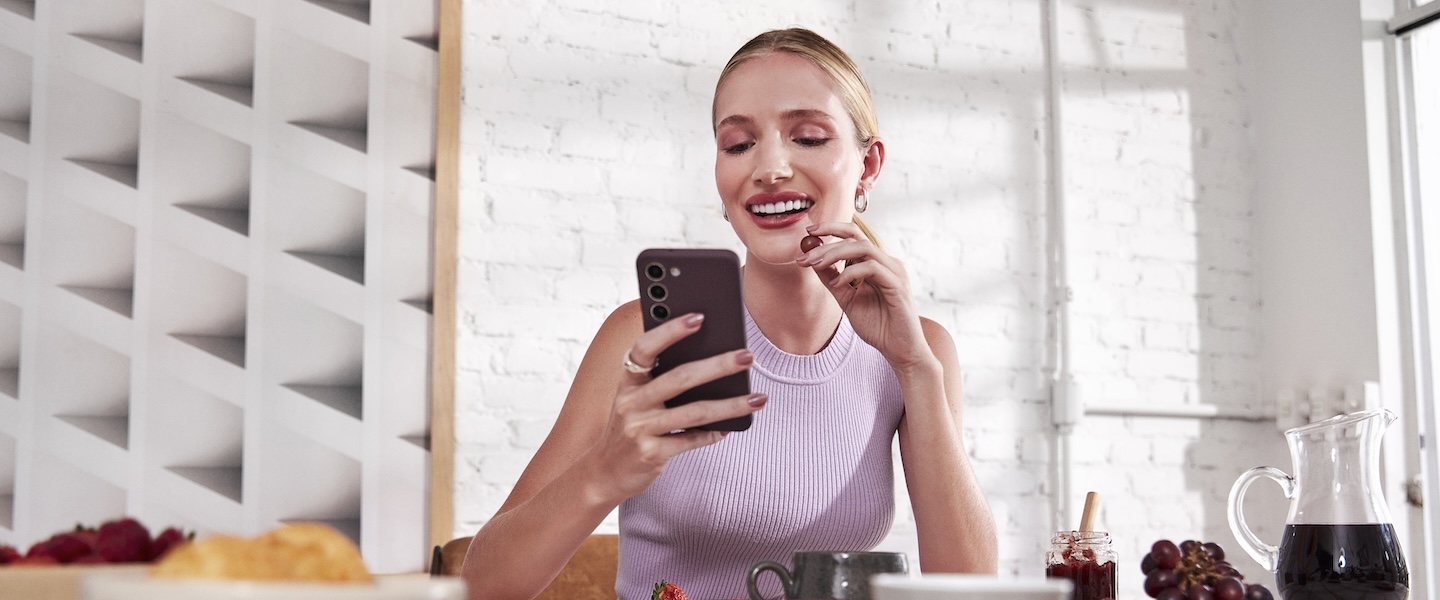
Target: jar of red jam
(1088, 560)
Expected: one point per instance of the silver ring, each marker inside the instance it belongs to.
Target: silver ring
(634, 368)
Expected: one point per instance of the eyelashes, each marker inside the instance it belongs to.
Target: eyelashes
(806, 142)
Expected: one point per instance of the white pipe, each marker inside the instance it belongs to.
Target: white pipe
(1184, 411)
(1059, 275)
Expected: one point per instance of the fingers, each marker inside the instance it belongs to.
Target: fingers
(653, 393)
(852, 246)
(861, 259)
(695, 414)
(649, 345)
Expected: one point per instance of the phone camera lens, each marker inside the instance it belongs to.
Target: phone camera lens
(657, 292)
(659, 312)
(655, 272)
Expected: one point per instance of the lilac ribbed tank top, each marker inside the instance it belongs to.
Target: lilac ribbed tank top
(813, 472)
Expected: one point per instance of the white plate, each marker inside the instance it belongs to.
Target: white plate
(142, 587)
(966, 587)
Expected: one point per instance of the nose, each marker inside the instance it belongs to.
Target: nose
(772, 163)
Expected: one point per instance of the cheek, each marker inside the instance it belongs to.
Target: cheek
(837, 171)
(728, 176)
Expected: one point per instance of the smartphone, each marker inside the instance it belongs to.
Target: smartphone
(678, 281)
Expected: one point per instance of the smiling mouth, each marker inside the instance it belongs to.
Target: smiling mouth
(780, 209)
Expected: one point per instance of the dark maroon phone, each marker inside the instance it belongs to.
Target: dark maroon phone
(678, 281)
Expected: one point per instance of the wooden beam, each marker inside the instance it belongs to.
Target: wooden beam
(442, 357)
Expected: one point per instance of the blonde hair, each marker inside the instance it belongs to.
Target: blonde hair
(854, 92)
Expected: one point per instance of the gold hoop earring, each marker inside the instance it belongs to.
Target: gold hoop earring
(862, 200)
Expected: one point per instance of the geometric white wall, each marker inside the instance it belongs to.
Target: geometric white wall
(215, 265)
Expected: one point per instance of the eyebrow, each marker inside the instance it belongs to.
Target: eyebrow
(796, 114)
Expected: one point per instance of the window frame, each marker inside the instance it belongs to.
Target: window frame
(1421, 337)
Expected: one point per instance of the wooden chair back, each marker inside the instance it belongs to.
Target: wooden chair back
(589, 574)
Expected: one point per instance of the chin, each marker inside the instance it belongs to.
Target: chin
(775, 252)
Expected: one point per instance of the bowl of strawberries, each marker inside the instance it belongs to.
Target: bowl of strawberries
(53, 567)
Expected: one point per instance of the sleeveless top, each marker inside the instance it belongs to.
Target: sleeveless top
(813, 472)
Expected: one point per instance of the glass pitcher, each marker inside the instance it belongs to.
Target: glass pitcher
(1339, 541)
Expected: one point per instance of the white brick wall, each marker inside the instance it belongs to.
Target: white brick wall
(586, 140)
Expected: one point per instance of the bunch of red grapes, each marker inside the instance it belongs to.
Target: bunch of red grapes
(1195, 571)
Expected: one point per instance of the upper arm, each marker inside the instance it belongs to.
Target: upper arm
(944, 348)
(587, 406)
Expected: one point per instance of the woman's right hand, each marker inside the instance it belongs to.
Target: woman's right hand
(643, 434)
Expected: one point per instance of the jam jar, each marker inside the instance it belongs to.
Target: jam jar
(1087, 559)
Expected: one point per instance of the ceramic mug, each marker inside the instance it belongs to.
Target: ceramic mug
(828, 575)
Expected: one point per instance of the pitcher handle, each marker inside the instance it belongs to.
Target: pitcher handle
(779, 570)
(1268, 556)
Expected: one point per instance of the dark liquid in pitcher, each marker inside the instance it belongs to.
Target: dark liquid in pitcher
(1347, 562)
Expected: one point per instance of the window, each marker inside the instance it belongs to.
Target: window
(1418, 57)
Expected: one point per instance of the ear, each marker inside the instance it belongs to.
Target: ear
(873, 160)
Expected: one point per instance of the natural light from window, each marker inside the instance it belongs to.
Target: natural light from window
(1424, 66)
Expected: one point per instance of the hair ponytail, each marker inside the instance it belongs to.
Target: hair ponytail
(865, 229)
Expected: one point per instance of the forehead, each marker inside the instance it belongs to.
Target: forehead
(777, 82)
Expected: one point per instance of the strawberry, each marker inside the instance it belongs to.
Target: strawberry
(66, 547)
(41, 560)
(89, 559)
(668, 591)
(40, 548)
(168, 540)
(86, 534)
(124, 541)
(8, 554)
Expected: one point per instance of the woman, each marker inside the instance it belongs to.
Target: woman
(840, 363)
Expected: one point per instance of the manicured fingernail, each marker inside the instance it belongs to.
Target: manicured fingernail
(744, 357)
(812, 228)
(757, 400)
(694, 320)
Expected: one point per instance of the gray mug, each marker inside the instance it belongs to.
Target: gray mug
(828, 575)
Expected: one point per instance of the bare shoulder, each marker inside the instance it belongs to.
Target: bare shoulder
(939, 339)
(944, 348)
(622, 327)
(615, 336)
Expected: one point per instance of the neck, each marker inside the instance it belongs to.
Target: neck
(790, 305)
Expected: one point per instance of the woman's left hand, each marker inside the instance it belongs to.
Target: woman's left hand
(873, 290)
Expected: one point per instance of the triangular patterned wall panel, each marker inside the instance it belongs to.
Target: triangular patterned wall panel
(23, 8)
(200, 210)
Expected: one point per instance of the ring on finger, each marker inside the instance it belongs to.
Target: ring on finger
(630, 365)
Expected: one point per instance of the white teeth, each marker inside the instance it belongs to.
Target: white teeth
(775, 208)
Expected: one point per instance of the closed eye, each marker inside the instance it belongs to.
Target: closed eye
(738, 148)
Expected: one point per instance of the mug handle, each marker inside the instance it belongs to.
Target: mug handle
(1268, 556)
(772, 566)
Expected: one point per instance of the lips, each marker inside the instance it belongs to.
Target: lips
(773, 210)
